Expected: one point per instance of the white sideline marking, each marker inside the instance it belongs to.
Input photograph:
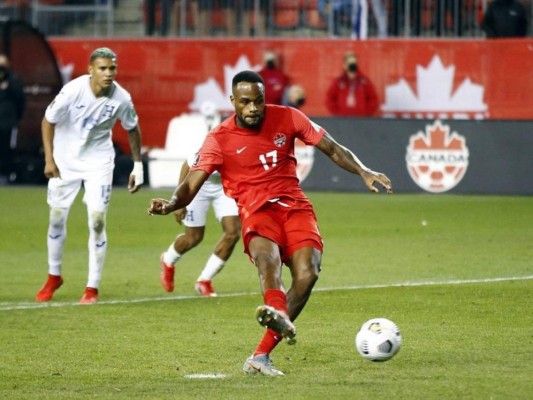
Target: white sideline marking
(432, 283)
(205, 376)
(10, 306)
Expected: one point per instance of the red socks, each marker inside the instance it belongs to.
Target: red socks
(275, 298)
(268, 342)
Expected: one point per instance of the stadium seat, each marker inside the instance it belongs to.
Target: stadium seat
(311, 17)
(222, 19)
(175, 17)
(218, 19)
(286, 14)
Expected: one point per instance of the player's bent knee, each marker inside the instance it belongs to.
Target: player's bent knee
(58, 217)
(311, 276)
(97, 221)
(306, 275)
(265, 261)
(193, 242)
(194, 237)
(232, 237)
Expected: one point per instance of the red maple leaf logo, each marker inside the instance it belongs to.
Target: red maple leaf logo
(438, 138)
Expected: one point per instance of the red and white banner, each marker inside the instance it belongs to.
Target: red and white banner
(446, 79)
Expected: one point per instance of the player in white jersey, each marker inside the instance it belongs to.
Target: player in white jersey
(76, 132)
(194, 218)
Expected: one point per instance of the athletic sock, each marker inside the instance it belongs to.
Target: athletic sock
(54, 270)
(214, 266)
(97, 247)
(268, 342)
(276, 298)
(171, 256)
(57, 234)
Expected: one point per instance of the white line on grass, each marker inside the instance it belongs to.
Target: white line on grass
(205, 376)
(11, 306)
(432, 283)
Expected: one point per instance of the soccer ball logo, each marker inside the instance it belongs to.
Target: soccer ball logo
(379, 339)
(437, 161)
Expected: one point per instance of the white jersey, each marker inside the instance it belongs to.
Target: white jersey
(214, 178)
(211, 193)
(83, 124)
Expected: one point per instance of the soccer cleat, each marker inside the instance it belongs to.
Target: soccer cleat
(205, 288)
(47, 291)
(260, 364)
(90, 296)
(167, 275)
(278, 321)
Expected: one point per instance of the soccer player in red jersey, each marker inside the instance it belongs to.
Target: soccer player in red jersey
(254, 152)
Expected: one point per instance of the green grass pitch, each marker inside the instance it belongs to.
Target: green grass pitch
(454, 272)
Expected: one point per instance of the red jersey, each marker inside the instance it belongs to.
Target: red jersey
(258, 165)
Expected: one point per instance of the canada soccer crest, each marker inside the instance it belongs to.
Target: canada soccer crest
(437, 160)
(280, 139)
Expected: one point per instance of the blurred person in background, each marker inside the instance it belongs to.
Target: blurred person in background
(276, 82)
(341, 12)
(165, 8)
(360, 18)
(12, 104)
(76, 132)
(252, 19)
(295, 96)
(352, 93)
(505, 19)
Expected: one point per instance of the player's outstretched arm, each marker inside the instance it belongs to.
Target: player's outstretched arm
(347, 160)
(182, 196)
(180, 214)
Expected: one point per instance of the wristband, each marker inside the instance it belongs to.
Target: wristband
(138, 172)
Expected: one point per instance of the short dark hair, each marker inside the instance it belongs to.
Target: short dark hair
(247, 76)
(103, 52)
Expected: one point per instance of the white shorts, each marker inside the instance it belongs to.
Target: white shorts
(223, 205)
(62, 193)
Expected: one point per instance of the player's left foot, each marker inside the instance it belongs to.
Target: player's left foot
(205, 288)
(90, 296)
(260, 364)
(278, 321)
(167, 275)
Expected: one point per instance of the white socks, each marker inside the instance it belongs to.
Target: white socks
(214, 263)
(214, 266)
(97, 247)
(57, 233)
(171, 256)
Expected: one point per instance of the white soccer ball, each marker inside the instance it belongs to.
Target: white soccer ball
(379, 339)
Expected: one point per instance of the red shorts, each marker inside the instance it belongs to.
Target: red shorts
(290, 224)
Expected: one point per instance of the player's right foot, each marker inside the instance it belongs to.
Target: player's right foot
(260, 364)
(90, 296)
(278, 321)
(205, 288)
(167, 275)
(47, 291)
